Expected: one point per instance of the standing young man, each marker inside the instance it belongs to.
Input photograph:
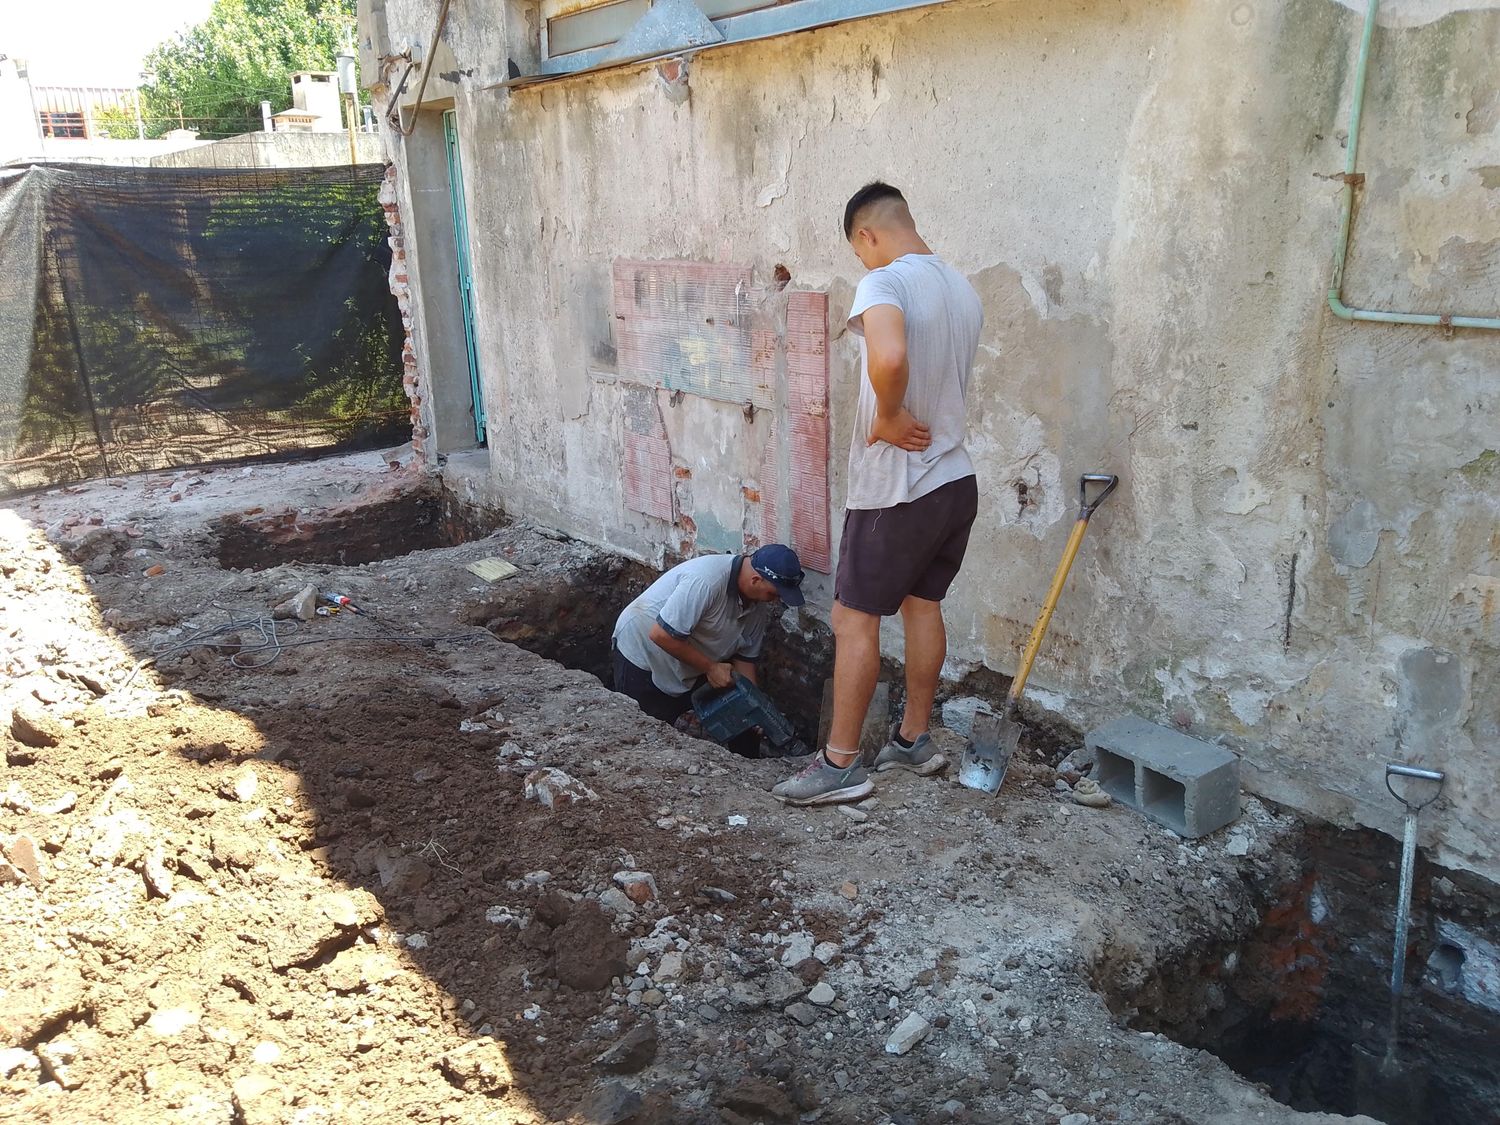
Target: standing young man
(912, 492)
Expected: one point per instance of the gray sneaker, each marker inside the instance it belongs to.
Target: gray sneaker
(923, 758)
(822, 783)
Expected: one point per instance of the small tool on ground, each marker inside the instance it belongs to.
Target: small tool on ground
(993, 738)
(1387, 1085)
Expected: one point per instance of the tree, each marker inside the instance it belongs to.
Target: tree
(214, 76)
(115, 122)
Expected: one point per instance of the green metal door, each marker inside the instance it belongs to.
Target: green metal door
(465, 265)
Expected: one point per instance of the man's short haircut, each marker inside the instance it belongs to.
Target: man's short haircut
(871, 193)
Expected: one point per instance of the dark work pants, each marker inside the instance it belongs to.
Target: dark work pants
(638, 684)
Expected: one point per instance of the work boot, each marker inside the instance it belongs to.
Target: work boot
(922, 758)
(823, 783)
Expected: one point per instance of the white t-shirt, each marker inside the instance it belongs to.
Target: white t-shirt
(700, 600)
(944, 317)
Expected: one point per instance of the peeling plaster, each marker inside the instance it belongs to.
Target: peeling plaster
(1354, 538)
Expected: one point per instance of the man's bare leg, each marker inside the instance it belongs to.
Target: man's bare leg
(926, 649)
(856, 668)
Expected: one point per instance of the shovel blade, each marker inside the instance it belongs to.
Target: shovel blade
(987, 756)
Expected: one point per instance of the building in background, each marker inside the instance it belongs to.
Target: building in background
(315, 104)
(81, 113)
(66, 125)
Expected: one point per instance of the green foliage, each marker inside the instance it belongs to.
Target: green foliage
(116, 123)
(214, 76)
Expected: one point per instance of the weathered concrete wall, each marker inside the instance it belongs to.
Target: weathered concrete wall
(1302, 556)
(277, 150)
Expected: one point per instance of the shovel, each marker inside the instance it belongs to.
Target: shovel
(1387, 1084)
(994, 737)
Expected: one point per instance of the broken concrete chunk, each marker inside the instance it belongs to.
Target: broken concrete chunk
(633, 1051)
(669, 967)
(798, 949)
(745, 997)
(826, 951)
(639, 886)
(822, 994)
(554, 788)
(617, 902)
(909, 1032)
(304, 603)
(805, 1014)
(782, 987)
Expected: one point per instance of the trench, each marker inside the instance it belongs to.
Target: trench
(417, 521)
(1301, 1005)
(571, 620)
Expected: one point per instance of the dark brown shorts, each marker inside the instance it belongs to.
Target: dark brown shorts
(912, 550)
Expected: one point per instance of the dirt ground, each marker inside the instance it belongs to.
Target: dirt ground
(335, 880)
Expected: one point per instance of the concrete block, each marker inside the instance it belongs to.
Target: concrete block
(1184, 783)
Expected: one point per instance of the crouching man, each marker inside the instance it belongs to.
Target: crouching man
(701, 622)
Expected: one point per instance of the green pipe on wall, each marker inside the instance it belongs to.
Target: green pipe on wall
(1346, 221)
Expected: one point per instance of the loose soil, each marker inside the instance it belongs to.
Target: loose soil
(314, 888)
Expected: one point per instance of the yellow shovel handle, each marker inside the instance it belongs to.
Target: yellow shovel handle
(1086, 508)
(1039, 630)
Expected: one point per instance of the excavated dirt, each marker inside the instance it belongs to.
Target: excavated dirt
(334, 880)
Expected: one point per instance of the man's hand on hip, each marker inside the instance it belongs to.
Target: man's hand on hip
(902, 430)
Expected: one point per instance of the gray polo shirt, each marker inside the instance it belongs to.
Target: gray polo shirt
(699, 600)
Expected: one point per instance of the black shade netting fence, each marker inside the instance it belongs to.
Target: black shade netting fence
(156, 318)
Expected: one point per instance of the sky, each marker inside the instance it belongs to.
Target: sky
(91, 42)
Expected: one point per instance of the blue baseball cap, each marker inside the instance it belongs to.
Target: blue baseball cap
(780, 566)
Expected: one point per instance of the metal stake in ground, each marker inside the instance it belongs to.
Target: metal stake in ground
(993, 738)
